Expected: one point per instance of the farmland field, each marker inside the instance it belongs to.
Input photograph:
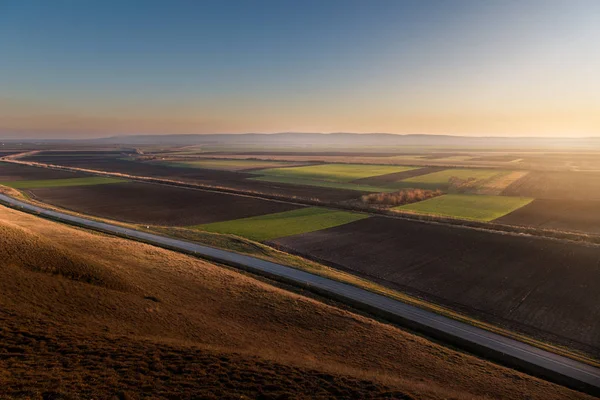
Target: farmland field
(10, 172)
(156, 204)
(464, 206)
(228, 165)
(542, 287)
(396, 177)
(323, 184)
(271, 226)
(557, 185)
(48, 183)
(441, 179)
(564, 215)
(334, 172)
(229, 179)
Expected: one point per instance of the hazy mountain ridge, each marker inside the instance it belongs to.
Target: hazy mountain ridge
(297, 139)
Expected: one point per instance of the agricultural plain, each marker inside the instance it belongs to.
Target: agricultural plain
(535, 286)
(332, 183)
(229, 165)
(237, 180)
(334, 172)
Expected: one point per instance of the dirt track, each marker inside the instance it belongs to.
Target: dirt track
(545, 288)
(147, 203)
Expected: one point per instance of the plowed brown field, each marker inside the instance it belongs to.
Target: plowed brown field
(154, 204)
(541, 287)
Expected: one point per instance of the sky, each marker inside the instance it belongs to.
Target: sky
(87, 68)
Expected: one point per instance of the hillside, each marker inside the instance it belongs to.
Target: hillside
(87, 315)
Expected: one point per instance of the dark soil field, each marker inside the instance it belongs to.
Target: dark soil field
(147, 203)
(545, 288)
(7, 152)
(87, 316)
(14, 172)
(398, 176)
(557, 185)
(314, 153)
(564, 215)
(229, 179)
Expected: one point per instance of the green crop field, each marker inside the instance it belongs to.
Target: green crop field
(228, 164)
(334, 172)
(47, 183)
(441, 179)
(272, 226)
(327, 184)
(464, 206)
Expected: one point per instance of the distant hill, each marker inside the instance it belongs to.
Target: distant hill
(331, 140)
(292, 139)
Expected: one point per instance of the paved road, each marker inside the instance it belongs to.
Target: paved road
(508, 351)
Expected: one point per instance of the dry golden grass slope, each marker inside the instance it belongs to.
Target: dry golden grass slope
(84, 315)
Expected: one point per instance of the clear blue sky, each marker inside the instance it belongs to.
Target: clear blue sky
(92, 68)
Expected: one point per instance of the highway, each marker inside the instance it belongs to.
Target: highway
(507, 351)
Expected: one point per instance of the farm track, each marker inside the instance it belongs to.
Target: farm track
(539, 362)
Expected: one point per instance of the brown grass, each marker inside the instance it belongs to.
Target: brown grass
(183, 328)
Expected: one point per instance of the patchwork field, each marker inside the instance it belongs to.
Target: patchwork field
(334, 172)
(441, 179)
(357, 188)
(564, 215)
(156, 204)
(138, 321)
(541, 287)
(396, 177)
(272, 226)
(229, 165)
(48, 183)
(230, 179)
(465, 206)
